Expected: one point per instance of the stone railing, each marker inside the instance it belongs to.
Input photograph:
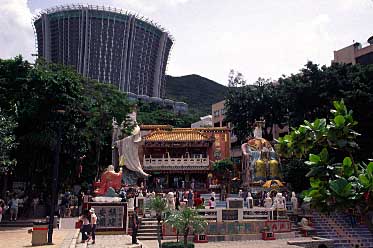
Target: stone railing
(170, 163)
(241, 214)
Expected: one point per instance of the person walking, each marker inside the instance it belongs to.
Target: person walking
(85, 226)
(135, 224)
(13, 203)
(93, 224)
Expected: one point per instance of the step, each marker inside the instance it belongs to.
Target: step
(155, 230)
(147, 234)
(148, 227)
(146, 238)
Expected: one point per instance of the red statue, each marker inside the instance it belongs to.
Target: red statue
(109, 178)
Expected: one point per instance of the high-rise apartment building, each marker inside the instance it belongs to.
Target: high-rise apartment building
(106, 44)
(355, 54)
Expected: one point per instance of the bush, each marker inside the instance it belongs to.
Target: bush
(176, 245)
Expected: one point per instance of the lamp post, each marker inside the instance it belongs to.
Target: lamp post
(56, 164)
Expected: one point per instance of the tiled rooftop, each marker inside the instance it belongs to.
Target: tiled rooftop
(180, 135)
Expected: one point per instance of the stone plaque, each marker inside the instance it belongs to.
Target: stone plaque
(109, 217)
(229, 214)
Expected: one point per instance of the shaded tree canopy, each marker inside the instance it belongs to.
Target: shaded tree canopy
(304, 96)
(36, 93)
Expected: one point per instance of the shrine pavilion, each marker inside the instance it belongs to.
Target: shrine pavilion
(182, 157)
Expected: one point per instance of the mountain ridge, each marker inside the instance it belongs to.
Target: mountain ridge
(197, 91)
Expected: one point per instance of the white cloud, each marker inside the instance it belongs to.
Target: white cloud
(16, 34)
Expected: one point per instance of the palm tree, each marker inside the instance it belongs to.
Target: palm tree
(159, 205)
(185, 221)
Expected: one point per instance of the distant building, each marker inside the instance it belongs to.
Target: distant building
(106, 44)
(205, 121)
(218, 114)
(355, 54)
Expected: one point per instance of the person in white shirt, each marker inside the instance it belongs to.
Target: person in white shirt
(93, 224)
(212, 203)
(85, 226)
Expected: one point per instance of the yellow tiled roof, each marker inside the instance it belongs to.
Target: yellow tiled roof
(204, 129)
(179, 135)
(154, 127)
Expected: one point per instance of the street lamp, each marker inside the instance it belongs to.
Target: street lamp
(56, 165)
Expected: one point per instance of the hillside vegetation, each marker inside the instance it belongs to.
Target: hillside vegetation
(198, 92)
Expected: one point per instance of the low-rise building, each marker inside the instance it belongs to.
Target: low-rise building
(182, 157)
(355, 54)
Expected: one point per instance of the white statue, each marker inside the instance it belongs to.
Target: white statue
(279, 201)
(128, 149)
(240, 193)
(131, 202)
(250, 200)
(171, 200)
(268, 201)
(294, 202)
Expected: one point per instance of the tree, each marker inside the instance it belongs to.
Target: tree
(185, 221)
(159, 205)
(333, 184)
(7, 143)
(32, 94)
(248, 103)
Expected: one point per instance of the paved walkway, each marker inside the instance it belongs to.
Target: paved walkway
(236, 244)
(108, 241)
(18, 237)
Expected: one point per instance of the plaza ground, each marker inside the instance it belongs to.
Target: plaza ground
(19, 237)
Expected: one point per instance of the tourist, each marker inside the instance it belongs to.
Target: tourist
(2, 209)
(13, 205)
(135, 224)
(85, 228)
(212, 203)
(190, 198)
(93, 224)
(197, 201)
(177, 203)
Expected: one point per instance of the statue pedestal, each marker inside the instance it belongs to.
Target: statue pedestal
(111, 216)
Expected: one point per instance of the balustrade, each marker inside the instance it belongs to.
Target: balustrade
(170, 163)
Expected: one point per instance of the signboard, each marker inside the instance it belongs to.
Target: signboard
(234, 203)
(229, 214)
(110, 216)
(279, 225)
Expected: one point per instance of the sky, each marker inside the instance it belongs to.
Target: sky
(259, 38)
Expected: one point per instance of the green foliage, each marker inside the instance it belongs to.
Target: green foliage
(294, 172)
(333, 185)
(158, 204)
(152, 113)
(223, 166)
(36, 93)
(306, 96)
(248, 103)
(198, 92)
(187, 220)
(176, 245)
(7, 142)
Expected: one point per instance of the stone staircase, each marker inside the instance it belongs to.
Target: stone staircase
(148, 228)
(336, 226)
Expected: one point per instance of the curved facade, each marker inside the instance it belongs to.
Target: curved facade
(107, 45)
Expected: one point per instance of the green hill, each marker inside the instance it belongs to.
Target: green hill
(198, 92)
